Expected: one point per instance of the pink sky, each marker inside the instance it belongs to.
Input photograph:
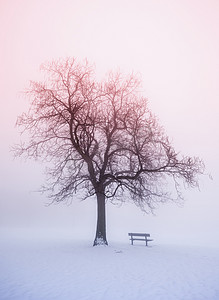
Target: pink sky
(173, 44)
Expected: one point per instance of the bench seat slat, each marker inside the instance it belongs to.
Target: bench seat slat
(134, 239)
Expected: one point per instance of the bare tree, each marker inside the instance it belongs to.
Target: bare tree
(101, 138)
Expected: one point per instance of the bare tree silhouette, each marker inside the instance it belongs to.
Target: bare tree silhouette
(101, 138)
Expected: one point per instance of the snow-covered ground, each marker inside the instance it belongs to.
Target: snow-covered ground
(49, 268)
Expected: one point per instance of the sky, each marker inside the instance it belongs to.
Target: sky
(172, 44)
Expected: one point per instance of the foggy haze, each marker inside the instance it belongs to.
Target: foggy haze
(174, 45)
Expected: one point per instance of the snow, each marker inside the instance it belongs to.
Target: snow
(44, 267)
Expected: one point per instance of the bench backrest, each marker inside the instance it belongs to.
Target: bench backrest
(139, 234)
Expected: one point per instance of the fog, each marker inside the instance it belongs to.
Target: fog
(173, 45)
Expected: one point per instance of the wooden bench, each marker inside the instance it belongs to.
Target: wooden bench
(140, 237)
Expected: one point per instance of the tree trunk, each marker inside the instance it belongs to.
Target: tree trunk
(100, 238)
